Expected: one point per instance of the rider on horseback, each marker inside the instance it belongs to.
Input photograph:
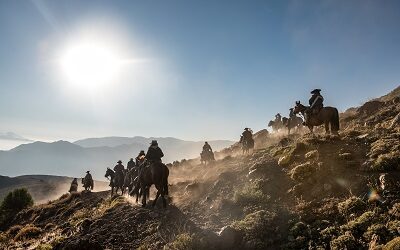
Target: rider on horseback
(291, 113)
(88, 181)
(207, 153)
(316, 101)
(130, 165)
(154, 153)
(207, 147)
(247, 135)
(278, 117)
(140, 158)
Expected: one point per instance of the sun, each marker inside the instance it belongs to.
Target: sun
(90, 64)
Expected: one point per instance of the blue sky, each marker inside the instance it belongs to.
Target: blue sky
(197, 69)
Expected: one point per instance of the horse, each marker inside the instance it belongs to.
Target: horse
(247, 145)
(87, 184)
(155, 173)
(276, 125)
(116, 181)
(206, 157)
(329, 116)
(293, 122)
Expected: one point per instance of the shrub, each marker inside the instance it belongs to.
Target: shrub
(17, 200)
(346, 241)
(250, 194)
(395, 211)
(394, 227)
(378, 229)
(14, 230)
(393, 244)
(44, 246)
(303, 171)
(184, 241)
(259, 226)
(329, 233)
(352, 205)
(361, 224)
(387, 162)
(28, 232)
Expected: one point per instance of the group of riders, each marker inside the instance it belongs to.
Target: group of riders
(139, 172)
(294, 121)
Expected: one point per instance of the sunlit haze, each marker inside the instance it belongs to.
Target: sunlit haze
(191, 70)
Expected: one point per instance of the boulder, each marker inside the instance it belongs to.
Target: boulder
(312, 154)
(284, 160)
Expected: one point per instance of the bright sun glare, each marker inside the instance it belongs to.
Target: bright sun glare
(90, 65)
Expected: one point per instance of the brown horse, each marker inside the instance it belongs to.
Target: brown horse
(156, 173)
(293, 122)
(329, 116)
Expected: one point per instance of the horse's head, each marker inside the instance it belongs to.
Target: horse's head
(299, 108)
(270, 123)
(109, 172)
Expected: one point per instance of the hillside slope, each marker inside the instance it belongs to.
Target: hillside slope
(297, 192)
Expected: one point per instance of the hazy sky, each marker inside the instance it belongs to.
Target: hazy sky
(188, 69)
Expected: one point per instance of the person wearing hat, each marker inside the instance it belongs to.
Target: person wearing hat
(119, 168)
(207, 147)
(87, 181)
(278, 117)
(154, 153)
(130, 165)
(247, 135)
(316, 101)
(140, 158)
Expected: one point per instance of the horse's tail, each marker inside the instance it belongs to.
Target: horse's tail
(335, 121)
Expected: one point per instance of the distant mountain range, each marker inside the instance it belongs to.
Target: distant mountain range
(95, 154)
(42, 187)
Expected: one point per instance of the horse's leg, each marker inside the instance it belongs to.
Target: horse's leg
(143, 196)
(157, 195)
(327, 128)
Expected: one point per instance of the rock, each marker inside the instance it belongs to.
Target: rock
(230, 237)
(396, 121)
(284, 160)
(85, 226)
(312, 154)
(83, 244)
(362, 136)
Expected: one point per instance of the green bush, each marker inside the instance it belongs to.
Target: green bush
(14, 202)
(259, 227)
(28, 232)
(329, 233)
(360, 224)
(17, 200)
(352, 205)
(250, 194)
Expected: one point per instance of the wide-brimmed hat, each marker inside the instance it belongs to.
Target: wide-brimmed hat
(87, 171)
(246, 128)
(154, 143)
(316, 91)
(119, 161)
(291, 109)
(131, 159)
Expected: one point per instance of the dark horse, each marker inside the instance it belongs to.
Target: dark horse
(329, 116)
(293, 122)
(206, 157)
(247, 144)
(156, 173)
(116, 181)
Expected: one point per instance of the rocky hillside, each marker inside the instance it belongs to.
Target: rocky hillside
(297, 192)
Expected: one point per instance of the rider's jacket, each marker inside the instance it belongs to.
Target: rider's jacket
(207, 147)
(247, 135)
(130, 165)
(316, 101)
(154, 153)
(119, 168)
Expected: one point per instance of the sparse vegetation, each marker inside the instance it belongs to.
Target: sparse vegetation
(28, 232)
(14, 202)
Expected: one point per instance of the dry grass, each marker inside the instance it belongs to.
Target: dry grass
(28, 232)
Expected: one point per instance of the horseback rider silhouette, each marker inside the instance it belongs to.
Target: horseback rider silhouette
(316, 101)
(87, 181)
(154, 153)
(247, 140)
(74, 186)
(140, 158)
(278, 117)
(291, 113)
(207, 147)
(130, 165)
